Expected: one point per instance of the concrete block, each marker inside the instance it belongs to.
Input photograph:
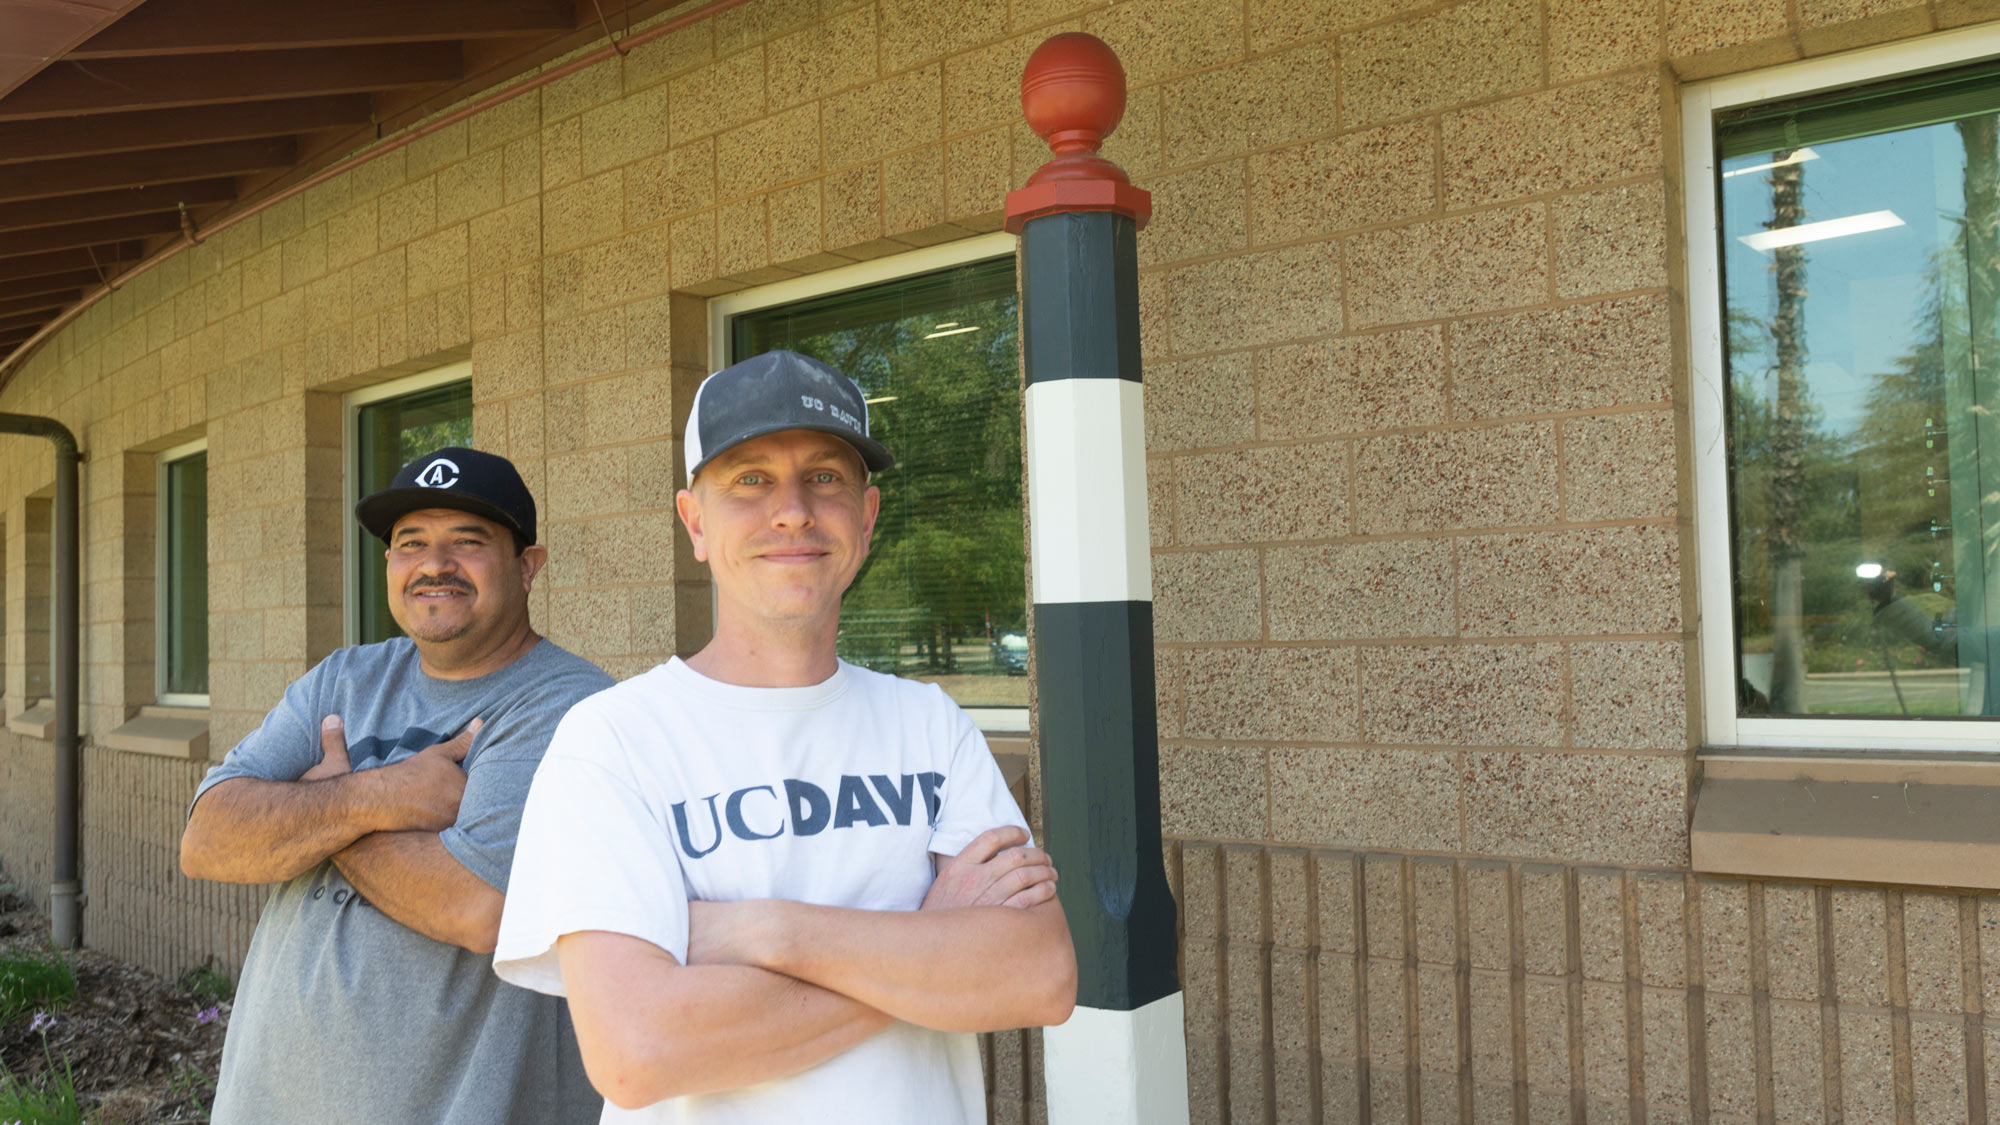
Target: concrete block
(1437, 915)
(1365, 798)
(826, 56)
(1572, 137)
(1333, 873)
(1449, 479)
(1381, 381)
(1629, 695)
(1356, 179)
(1293, 694)
(1369, 590)
(1462, 54)
(1931, 947)
(869, 122)
(768, 152)
(1195, 213)
(1619, 466)
(1213, 792)
(1383, 905)
(853, 201)
(670, 184)
(917, 31)
(1262, 103)
(583, 212)
(1610, 240)
(1263, 298)
(1453, 695)
(1580, 357)
(1207, 596)
(1596, 36)
(1301, 492)
(1592, 580)
(725, 93)
(1198, 403)
(1159, 39)
(1465, 264)
(1574, 806)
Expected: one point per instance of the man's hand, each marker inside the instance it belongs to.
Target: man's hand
(996, 869)
(429, 783)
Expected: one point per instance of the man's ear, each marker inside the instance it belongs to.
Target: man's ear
(533, 559)
(688, 506)
(871, 506)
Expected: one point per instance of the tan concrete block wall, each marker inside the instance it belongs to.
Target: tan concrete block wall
(1410, 279)
(1323, 981)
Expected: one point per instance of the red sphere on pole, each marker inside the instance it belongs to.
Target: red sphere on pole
(1073, 95)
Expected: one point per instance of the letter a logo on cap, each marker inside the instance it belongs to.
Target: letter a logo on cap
(441, 473)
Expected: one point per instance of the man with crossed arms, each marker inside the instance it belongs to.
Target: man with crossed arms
(773, 885)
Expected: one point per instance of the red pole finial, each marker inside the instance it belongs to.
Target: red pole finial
(1072, 94)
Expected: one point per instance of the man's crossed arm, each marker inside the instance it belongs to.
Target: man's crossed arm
(772, 988)
(380, 827)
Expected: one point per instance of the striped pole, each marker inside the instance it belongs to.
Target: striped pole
(1122, 1057)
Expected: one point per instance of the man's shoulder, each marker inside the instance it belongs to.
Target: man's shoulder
(880, 687)
(557, 669)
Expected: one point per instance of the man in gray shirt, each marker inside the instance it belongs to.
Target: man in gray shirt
(383, 796)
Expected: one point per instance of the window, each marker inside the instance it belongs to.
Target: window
(182, 636)
(388, 427)
(933, 339)
(1847, 375)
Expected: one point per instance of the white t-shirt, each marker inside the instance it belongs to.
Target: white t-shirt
(672, 786)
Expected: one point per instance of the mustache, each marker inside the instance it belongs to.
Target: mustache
(441, 582)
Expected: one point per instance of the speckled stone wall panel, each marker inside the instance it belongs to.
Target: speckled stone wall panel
(1664, 1022)
(1600, 910)
(1243, 894)
(1196, 213)
(1867, 1080)
(1791, 941)
(1619, 466)
(1989, 952)
(1279, 694)
(1364, 798)
(1702, 26)
(1578, 357)
(1860, 945)
(1547, 1035)
(1450, 695)
(1629, 695)
(1382, 903)
(1249, 299)
(1486, 894)
(1157, 39)
(1732, 1056)
(1931, 950)
(1333, 874)
(1248, 1009)
(1611, 239)
(1478, 262)
(1388, 1045)
(1544, 930)
(1839, 25)
(1439, 480)
(1288, 887)
(1351, 385)
(1292, 1061)
(1594, 580)
(1436, 910)
(1573, 137)
(1492, 1047)
(1725, 935)
(1357, 179)
(1798, 1089)
(1588, 808)
(1210, 792)
(1262, 103)
(1202, 402)
(1465, 52)
(1594, 36)
(1937, 1067)
(1261, 495)
(1378, 589)
(1206, 596)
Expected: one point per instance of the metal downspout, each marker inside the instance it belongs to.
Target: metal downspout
(65, 890)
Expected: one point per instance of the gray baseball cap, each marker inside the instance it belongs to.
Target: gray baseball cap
(776, 391)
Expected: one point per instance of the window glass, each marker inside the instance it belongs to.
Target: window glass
(184, 512)
(942, 596)
(1860, 278)
(388, 435)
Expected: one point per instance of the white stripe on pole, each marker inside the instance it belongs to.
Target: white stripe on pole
(1092, 1066)
(1087, 491)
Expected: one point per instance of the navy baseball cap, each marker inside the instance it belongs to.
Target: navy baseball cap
(484, 484)
(777, 391)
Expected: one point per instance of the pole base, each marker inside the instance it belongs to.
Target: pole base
(1118, 1068)
(65, 915)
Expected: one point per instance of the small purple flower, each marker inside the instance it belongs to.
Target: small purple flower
(207, 1015)
(42, 1020)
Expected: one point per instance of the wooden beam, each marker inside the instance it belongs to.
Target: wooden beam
(111, 204)
(205, 26)
(48, 178)
(9, 325)
(51, 283)
(72, 235)
(46, 302)
(31, 266)
(110, 85)
(48, 138)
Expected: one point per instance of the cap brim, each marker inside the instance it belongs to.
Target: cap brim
(873, 453)
(379, 511)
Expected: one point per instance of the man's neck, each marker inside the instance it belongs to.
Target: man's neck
(446, 662)
(769, 656)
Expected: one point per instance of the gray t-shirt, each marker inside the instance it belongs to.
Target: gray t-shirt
(344, 1014)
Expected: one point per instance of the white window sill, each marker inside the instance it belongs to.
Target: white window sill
(38, 721)
(166, 732)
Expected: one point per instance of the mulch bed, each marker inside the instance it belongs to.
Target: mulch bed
(136, 1044)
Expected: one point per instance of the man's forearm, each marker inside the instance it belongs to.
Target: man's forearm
(980, 968)
(248, 830)
(412, 878)
(651, 1028)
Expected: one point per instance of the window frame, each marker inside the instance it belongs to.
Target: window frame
(861, 275)
(1721, 726)
(163, 571)
(353, 544)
